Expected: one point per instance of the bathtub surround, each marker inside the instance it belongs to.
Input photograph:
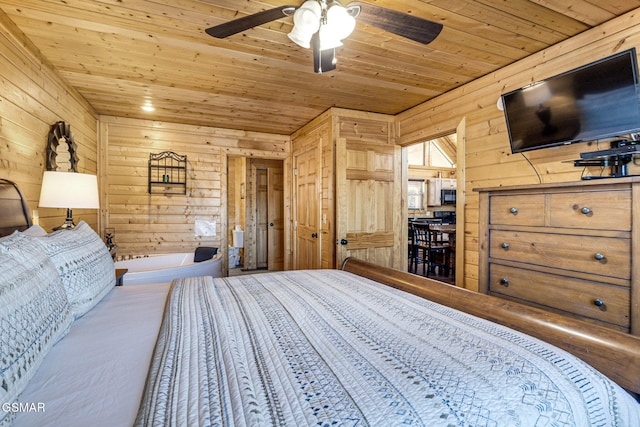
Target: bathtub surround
(165, 268)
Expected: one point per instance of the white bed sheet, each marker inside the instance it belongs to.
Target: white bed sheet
(95, 375)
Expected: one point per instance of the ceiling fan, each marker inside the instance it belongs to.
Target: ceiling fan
(323, 24)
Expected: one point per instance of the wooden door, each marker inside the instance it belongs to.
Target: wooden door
(368, 188)
(262, 218)
(265, 223)
(275, 215)
(307, 210)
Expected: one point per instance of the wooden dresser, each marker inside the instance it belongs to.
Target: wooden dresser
(568, 247)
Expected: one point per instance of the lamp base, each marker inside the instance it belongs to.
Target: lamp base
(68, 223)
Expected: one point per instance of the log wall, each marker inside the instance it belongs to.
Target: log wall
(32, 98)
(161, 223)
(489, 161)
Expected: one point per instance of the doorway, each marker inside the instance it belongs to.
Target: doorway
(269, 217)
(255, 211)
(432, 201)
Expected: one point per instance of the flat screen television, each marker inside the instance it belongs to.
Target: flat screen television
(595, 101)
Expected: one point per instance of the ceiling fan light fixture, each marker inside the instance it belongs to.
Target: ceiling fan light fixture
(306, 21)
(325, 23)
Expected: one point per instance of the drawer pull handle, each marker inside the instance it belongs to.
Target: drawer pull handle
(504, 281)
(504, 246)
(598, 302)
(598, 256)
(586, 211)
(514, 211)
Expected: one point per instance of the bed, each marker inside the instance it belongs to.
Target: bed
(362, 345)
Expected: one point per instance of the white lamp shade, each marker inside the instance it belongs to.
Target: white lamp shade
(69, 190)
(300, 37)
(306, 20)
(339, 21)
(328, 39)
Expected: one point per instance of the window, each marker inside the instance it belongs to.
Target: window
(415, 192)
(437, 157)
(437, 153)
(415, 154)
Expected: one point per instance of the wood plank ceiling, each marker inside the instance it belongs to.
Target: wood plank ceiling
(121, 53)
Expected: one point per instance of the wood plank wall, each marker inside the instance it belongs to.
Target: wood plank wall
(32, 98)
(489, 161)
(158, 223)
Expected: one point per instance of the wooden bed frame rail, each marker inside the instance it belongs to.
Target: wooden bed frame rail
(614, 353)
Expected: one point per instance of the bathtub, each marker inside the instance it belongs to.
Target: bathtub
(166, 267)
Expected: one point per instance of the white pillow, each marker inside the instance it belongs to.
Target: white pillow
(35, 230)
(34, 314)
(84, 264)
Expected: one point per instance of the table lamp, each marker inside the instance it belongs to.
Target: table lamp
(69, 190)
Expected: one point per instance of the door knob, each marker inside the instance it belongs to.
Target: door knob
(343, 242)
(314, 235)
(270, 224)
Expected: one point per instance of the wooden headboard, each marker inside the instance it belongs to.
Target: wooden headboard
(14, 211)
(614, 353)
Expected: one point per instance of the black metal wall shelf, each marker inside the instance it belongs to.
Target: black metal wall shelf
(167, 173)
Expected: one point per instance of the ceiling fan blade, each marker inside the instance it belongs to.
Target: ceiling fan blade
(241, 24)
(400, 23)
(323, 60)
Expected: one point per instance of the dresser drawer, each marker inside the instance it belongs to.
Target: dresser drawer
(518, 210)
(593, 300)
(596, 210)
(606, 256)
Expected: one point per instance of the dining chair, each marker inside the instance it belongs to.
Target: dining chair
(411, 242)
(439, 251)
(420, 246)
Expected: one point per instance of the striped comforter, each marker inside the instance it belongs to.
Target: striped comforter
(326, 347)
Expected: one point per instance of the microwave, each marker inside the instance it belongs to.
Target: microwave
(448, 196)
(441, 191)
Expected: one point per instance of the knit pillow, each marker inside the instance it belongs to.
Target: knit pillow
(34, 314)
(84, 264)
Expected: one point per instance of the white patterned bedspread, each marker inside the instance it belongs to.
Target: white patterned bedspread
(326, 347)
